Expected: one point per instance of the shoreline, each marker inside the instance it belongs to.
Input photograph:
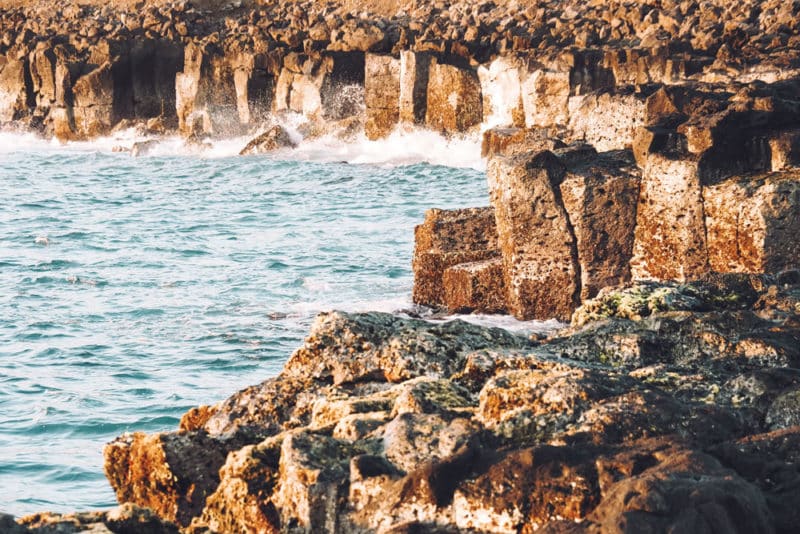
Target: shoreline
(644, 187)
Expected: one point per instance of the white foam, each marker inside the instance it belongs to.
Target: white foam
(405, 146)
(507, 322)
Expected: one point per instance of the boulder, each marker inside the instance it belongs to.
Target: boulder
(382, 95)
(273, 139)
(477, 286)
(751, 223)
(670, 236)
(454, 102)
(542, 273)
(445, 239)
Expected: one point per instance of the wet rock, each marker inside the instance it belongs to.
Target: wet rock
(445, 239)
(535, 236)
(273, 139)
(124, 519)
(143, 148)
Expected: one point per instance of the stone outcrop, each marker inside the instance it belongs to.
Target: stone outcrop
(663, 406)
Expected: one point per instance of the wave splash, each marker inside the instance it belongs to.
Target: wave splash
(405, 146)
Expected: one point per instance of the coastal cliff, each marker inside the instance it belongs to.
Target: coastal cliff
(644, 187)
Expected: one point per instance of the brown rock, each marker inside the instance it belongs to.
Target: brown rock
(545, 96)
(14, 96)
(601, 196)
(273, 139)
(477, 286)
(535, 236)
(511, 141)
(454, 99)
(670, 237)
(447, 238)
(382, 95)
(172, 474)
(414, 73)
(751, 223)
(607, 121)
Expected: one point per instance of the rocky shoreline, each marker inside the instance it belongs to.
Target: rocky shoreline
(644, 186)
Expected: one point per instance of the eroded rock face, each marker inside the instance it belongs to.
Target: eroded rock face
(273, 139)
(382, 95)
(454, 102)
(535, 236)
(445, 239)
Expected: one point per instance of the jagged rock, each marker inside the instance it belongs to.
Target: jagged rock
(348, 348)
(9, 526)
(382, 95)
(535, 236)
(477, 286)
(93, 111)
(454, 102)
(445, 239)
(172, 474)
(545, 95)
(143, 148)
(751, 223)
(273, 139)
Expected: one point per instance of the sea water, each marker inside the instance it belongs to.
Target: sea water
(132, 289)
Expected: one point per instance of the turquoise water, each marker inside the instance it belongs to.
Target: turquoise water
(133, 289)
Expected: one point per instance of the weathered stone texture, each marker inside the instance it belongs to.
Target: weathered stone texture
(535, 236)
(477, 286)
(670, 240)
(382, 95)
(445, 239)
(753, 223)
(454, 98)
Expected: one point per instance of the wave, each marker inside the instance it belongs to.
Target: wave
(404, 146)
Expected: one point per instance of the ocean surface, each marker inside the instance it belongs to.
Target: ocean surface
(132, 289)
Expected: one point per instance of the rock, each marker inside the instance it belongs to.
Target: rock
(607, 121)
(600, 197)
(784, 413)
(454, 102)
(670, 237)
(445, 239)
(124, 519)
(8, 525)
(410, 440)
(545, 95)
(502, 93)
(684, 490)
(14, 97)
(477, 286)
(172, 474)
(273, 139)
(414, 74)
(346, 348)
(535, 236)
(143, 148)
(382, 95)
(512, 141)
(750, 223)
(93, 110)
